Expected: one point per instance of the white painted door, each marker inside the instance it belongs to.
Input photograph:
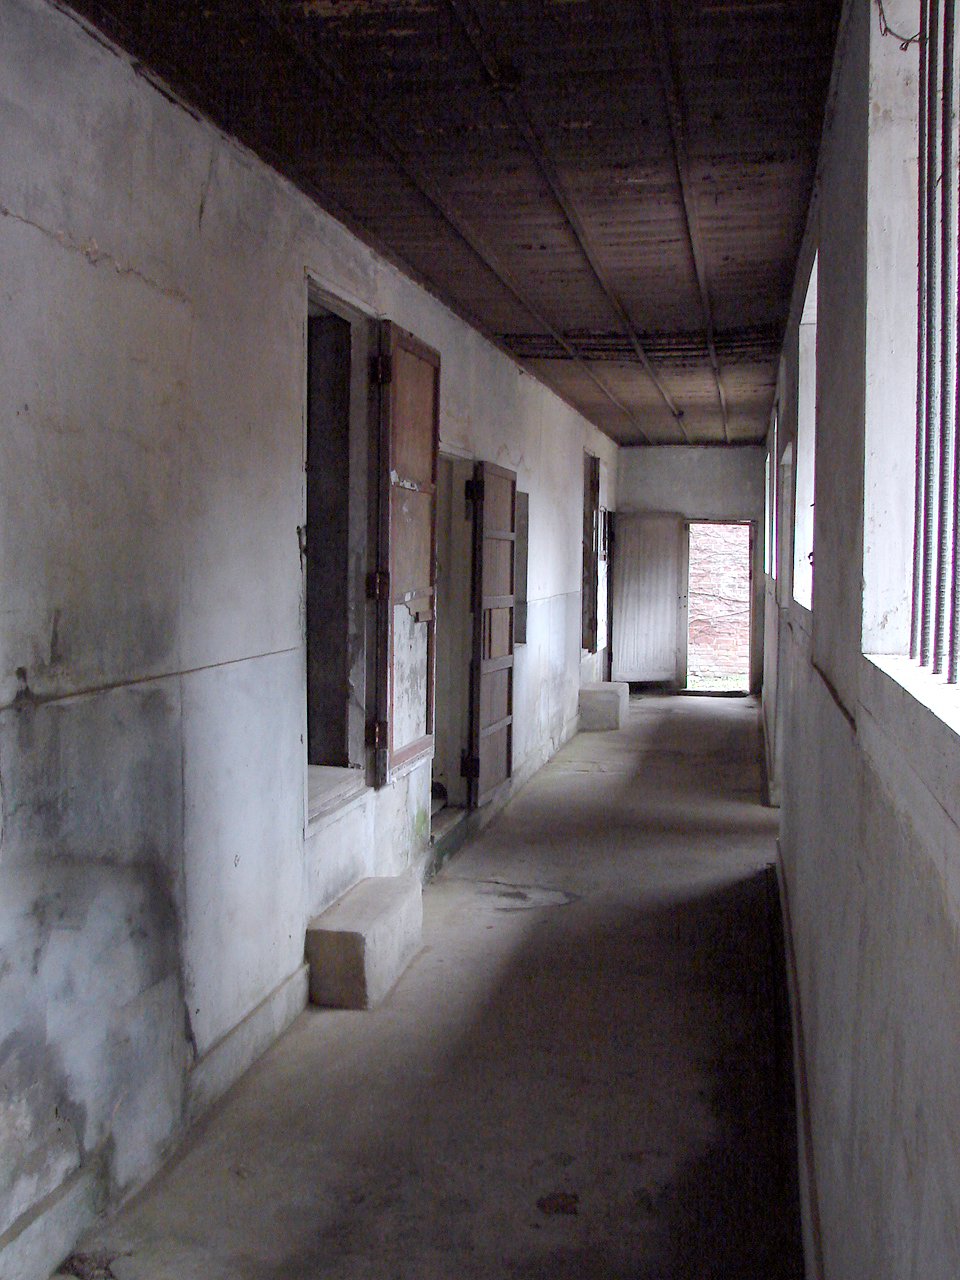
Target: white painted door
(649, 599)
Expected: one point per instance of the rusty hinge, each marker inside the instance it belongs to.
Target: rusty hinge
(377, 734)
(381, 370)
(378, 585)
(473, 490)
(469, 766)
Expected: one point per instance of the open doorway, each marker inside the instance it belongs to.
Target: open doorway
(718, 608)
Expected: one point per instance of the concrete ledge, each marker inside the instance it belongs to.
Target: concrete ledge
(604, 705)
(226, 1061)
(329, 791)
(358, 948)
(40, 1240)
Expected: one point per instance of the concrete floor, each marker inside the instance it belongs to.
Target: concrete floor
(586, 1071)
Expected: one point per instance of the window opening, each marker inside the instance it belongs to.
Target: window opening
(590, 596)
(718, 608)
(770, 489)
(334, 544)
(803, 535)
(326, 536)
(784, 525)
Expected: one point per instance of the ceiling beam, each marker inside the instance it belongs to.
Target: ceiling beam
(326, 69)
(504, 84)
(674, 110)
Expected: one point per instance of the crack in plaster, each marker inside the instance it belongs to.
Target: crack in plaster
(94, 255)
(206, 185)
(26, 696)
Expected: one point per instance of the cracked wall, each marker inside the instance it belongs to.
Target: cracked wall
(154, 878)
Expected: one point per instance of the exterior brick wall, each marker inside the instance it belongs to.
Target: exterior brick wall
(718, 653)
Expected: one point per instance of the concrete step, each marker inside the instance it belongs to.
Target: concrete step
(604, 705)
(359, 946)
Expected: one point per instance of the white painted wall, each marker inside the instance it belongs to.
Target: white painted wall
(703, 482)
(871, 780)
(154, 873)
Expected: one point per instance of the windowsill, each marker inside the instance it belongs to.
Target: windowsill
(931, 691)
(800, 617)
(329, 789)
(912, 718)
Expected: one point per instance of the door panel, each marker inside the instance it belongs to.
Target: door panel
(649, 592)
(405, 587)
(493, 493)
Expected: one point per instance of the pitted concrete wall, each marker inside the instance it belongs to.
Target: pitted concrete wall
(703, 482)
(154, 880)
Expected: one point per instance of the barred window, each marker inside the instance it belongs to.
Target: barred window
(935, 624)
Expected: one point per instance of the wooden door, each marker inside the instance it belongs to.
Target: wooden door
(404, 585)
(649, 599)
(493, 492)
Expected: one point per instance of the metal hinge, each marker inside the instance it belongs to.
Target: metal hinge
(378, 585)
(473, 490)
(469, 766)
(381, 370)
(377, 735)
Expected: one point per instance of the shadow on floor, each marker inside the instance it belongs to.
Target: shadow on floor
(622, 1107)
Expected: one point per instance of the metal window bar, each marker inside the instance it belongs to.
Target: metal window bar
(931, 354)
(935, 628)
(921, 452)
(948, 354)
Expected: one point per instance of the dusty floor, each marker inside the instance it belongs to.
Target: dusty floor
(584, 1073)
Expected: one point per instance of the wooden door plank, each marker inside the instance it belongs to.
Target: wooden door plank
(493, 492)
(409, 375)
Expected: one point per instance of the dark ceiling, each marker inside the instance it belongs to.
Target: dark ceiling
(613, 191)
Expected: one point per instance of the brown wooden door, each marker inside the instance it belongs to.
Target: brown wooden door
(405, 583)
(494, 495)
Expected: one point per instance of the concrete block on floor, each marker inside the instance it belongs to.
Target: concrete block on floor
(604, 705)
(359, 946)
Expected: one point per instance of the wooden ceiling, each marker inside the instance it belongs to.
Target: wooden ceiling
(614, 191)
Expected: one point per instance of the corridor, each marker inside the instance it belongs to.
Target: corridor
(585, 1072)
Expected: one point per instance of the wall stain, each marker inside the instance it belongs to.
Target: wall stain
(56, 649)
